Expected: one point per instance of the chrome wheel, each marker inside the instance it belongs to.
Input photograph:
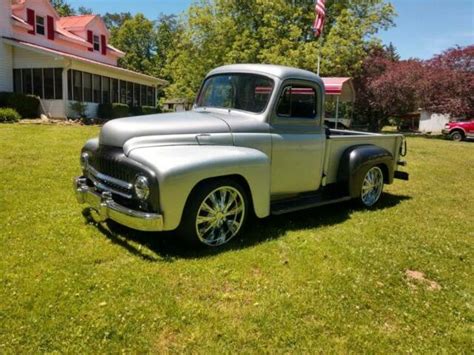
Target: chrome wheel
(220, 216)
(372, 186)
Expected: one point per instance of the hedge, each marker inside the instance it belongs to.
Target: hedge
(110, 111)
(9, 115)
(26, 105)
(144, 110)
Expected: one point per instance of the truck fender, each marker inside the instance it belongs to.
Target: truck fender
(179, 169)
(357, 159)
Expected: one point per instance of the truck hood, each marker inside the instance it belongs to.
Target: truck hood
(117, 132)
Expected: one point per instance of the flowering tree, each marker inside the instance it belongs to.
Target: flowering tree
(388, 88)
(448, 84)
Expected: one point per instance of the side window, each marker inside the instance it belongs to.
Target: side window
(298, 101)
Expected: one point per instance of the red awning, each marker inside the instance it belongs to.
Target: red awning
(341, 87)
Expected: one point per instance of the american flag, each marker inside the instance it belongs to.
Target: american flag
(320, 11)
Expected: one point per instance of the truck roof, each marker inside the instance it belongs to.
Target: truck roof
(279, 71)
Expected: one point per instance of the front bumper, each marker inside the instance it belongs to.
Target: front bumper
(445, 131)
(104, 207)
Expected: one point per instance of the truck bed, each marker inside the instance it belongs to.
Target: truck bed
(339, 140)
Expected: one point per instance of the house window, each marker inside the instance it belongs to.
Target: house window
(115, 90)
(136, 94)
(48, 75)
(40, 25)
(97, 88)
(123, 92)
(45, 83)
(149, 96)
(129, 94)
(27, 81)
(87, 80)
(17, 84)
(96, 43)
(58, 83)
(142, 95)
(77, 86)
(105, 90)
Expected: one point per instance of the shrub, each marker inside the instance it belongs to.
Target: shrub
(79, 109)
(136, 111)
(110, 111)
(149, 110)
(9, 115)
(143, 110)
(26, 105)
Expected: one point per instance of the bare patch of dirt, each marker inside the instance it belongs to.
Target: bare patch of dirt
(417, 277)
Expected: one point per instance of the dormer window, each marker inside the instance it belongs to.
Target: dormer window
(40, 29)
(96, 43)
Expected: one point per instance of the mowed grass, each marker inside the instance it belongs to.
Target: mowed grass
(330, 279)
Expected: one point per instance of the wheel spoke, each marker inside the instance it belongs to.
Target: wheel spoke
(205, 219)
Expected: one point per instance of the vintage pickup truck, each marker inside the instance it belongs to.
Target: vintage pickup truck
(254, 144)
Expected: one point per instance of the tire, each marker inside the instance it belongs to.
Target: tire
(456, 136)
(215, 213)
(371, 187)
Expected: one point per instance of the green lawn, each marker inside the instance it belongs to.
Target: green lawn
(331, 279)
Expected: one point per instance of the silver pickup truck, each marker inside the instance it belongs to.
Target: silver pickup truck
(254, 144)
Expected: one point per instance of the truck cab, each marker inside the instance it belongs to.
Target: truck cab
(254, 143)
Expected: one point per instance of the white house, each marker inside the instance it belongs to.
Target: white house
(63, 59)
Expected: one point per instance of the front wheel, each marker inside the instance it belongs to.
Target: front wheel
(456, 136)
(215, 213)
(371, 187)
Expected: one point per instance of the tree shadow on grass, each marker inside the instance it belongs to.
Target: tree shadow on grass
(167, 246)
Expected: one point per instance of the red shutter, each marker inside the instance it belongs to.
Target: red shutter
(51, 28)
(30, 18)
(103, 45)
(90, 40)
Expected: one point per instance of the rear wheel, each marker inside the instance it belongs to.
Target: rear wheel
(371, 187)
(456, 136)
(215, 213)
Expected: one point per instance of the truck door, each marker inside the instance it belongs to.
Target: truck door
(298, 138)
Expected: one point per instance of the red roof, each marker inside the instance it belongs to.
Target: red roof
(75, 21)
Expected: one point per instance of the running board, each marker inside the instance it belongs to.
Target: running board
(302, 203)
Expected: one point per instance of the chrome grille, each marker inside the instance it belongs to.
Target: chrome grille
(109, 183)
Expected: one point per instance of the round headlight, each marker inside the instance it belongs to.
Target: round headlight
(142, 187)
(84, 160)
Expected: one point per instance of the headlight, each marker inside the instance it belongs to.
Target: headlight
(84, 160)
(142, 187)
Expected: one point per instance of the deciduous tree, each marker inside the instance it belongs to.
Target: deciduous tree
(217, 32)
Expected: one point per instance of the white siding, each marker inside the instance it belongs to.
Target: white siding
(54, 108)
(24, 58)
(5, 18)
(6, 67)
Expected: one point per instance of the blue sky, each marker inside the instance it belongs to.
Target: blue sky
(424, 27)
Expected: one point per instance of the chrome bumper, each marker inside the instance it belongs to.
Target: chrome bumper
(103, 208)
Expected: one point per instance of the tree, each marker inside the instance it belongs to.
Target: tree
(216, 32)
(389, 88)
(136, 37)
(82, 10)
(63, 8)
(167, 28)
(448, 84)
(113, 21)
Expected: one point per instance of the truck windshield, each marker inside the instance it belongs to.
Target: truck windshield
(247, 92)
